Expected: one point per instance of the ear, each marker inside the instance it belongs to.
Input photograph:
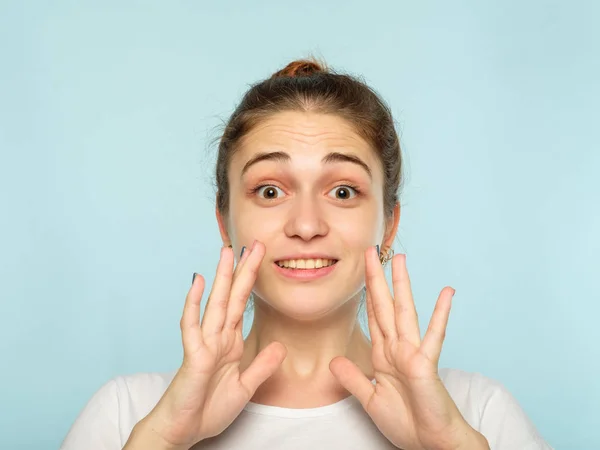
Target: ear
(391, 227)
(222, 221)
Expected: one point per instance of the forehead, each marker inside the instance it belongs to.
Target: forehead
(294, 132)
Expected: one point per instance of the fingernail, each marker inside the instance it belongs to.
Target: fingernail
(193, 278)
(242, 253)
(377, 247)
(253, 244)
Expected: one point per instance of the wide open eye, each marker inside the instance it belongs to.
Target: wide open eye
(269, 192)
(344, 192)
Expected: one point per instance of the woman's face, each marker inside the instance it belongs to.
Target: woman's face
(311, 190)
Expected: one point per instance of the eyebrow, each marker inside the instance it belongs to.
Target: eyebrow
(333, 157)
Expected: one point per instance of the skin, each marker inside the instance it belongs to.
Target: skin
(298, 207)
(307, 216)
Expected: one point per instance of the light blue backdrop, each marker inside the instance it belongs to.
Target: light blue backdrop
(106, 113)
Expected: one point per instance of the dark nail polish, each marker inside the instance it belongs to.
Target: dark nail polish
(242, 253)
(377, 246)
(193, 278)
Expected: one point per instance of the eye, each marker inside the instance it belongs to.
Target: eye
(269, 192)
(344, 192)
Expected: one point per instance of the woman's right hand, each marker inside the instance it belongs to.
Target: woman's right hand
(209, 392)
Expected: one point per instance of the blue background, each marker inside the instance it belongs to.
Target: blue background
(107, 111)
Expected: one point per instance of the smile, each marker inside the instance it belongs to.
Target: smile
(305, 263)
(305, 270)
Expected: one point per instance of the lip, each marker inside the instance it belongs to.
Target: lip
(305, 274)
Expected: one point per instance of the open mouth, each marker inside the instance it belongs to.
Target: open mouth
(305, 264)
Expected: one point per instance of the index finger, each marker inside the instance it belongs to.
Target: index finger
(216, 306)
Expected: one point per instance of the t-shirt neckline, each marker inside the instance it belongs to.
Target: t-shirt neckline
(278, 411)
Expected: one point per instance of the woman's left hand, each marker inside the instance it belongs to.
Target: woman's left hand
(409, 403)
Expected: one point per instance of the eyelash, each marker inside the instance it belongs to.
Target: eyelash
(351, 186)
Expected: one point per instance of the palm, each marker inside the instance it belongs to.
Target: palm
(209, 391)
(214, 352)
(409, 404)
(217, 360)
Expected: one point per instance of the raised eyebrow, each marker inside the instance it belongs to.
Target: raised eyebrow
(266, 156)
(333, 157)
(347, 157)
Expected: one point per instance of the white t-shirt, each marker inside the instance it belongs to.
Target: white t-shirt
(109, 417)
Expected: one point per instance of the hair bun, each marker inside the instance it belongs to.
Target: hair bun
(301, 68)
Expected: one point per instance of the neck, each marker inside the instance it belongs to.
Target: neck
(311, 345)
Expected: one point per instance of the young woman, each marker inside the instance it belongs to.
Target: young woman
(308, 173)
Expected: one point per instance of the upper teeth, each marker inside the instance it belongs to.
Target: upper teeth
(305, 263)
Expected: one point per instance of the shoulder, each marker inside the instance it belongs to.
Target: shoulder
(133, 384)
(110, 414)
(138, 393)
(490, 408)
(464, 384)
(476, 390)
(475, 393)
(141, 385)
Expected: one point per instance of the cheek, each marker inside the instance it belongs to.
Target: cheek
(356, 233)
(249, 223)
(361, 226)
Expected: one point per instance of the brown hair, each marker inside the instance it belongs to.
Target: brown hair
(310, 86)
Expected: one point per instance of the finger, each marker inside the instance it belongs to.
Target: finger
(263, 366)
(374, 330)
(407, 321)
(241, 261)
(436, 332)
(243, 284)
(236, 272)
(381, 299)
(230, 310)
(216, 306)
(190, 319)
(352, 379)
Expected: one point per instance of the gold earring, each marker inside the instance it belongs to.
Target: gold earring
(386, 256)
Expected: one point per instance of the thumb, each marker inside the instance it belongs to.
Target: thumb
(263, 366)
(352, 379)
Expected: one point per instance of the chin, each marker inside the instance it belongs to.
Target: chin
(303, 302)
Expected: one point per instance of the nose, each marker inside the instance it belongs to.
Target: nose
(306, 220)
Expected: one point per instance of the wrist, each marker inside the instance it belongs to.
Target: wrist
(146, 436)
(480, 442)
(462, 437)
(473, 440)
